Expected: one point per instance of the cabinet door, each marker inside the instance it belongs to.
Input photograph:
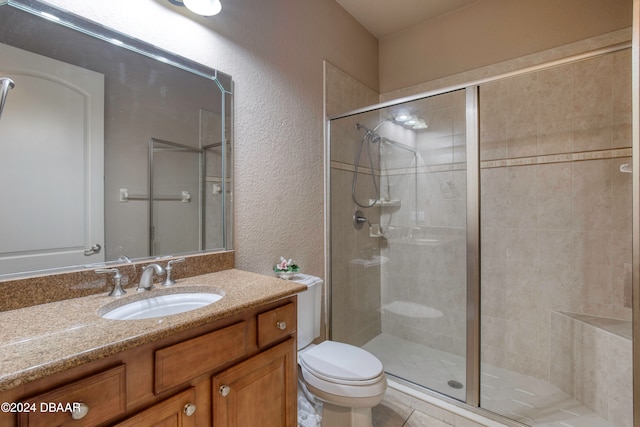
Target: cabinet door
(177, 411)
(102, 396)
(261, 391)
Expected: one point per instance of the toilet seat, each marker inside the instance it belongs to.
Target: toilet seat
(343, 371)
(341, 363)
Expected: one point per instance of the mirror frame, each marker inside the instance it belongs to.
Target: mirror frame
(223, 81)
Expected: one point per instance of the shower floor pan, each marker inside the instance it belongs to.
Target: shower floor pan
(520, 397)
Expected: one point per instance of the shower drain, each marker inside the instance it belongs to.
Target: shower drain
(455, 384)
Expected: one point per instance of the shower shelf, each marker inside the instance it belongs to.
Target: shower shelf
(385, 203)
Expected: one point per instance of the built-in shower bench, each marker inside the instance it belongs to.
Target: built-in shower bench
(590, 359)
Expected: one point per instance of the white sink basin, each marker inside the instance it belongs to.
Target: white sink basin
(160, 305)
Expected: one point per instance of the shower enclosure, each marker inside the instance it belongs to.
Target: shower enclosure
(481, 241)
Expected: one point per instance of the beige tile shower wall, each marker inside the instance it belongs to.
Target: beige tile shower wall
(355, 281)
(344, 93)
(556, 224)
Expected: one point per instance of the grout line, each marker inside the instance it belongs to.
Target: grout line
(614, 153)
(404, 424)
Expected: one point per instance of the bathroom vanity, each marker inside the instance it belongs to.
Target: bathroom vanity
(232, 363)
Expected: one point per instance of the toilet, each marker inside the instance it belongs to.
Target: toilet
(348, 380)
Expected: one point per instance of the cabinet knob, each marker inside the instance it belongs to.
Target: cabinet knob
(282, 325)
(80, 411)
(189, 409)
(225, 390)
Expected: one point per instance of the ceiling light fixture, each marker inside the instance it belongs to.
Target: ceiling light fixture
(200, 7)
(402, 117)
(420, 124)
(410, 121)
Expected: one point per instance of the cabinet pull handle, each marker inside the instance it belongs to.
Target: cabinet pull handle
(225, 390)
(282, 325)
(80, 411)
(189, 409)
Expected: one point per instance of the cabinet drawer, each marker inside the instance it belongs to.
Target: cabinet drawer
(177, 410)
(103, 393)
(182, 362)
(276, 324)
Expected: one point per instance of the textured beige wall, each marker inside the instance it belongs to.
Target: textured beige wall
(274, 51)
(491, 31)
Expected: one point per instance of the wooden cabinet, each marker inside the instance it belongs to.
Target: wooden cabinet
(86, 402)
(177, 411)
(238, 371)
(258, 391)
(179, 363)
(276, 324)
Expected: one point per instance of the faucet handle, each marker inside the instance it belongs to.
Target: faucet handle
(174, 261)
(168, 281)
(117, 281)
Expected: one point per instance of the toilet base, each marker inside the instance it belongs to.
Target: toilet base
(342, 411)
(340, 416)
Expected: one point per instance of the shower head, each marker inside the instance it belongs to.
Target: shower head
(374, 138)
(369, 134)
(5, 85)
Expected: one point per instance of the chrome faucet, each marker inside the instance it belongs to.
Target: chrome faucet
(117, 290)
(168, 281)
(146, 280)
(124, 258)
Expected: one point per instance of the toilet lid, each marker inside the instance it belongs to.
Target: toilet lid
(341, 361)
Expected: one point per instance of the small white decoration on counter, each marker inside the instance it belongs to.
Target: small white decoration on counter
(286, 269)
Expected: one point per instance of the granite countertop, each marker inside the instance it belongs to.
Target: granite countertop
(44, 339)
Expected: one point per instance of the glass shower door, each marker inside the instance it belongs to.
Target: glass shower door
(398, 283)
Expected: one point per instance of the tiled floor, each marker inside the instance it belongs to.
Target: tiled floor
(393, 414)
(519, 397)
(402, 407)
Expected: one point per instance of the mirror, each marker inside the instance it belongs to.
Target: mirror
(109, 147)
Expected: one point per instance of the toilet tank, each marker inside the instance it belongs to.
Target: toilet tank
(309, 306)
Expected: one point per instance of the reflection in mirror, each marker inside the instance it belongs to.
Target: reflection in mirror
(76, 130)
(184, 193)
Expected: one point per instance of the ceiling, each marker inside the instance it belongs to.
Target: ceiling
(384, 17)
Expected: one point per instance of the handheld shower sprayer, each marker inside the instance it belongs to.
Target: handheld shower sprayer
(5, 84)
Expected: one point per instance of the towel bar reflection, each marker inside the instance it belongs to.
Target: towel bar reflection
(185, 197)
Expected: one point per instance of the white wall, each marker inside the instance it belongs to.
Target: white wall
(274, 51)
